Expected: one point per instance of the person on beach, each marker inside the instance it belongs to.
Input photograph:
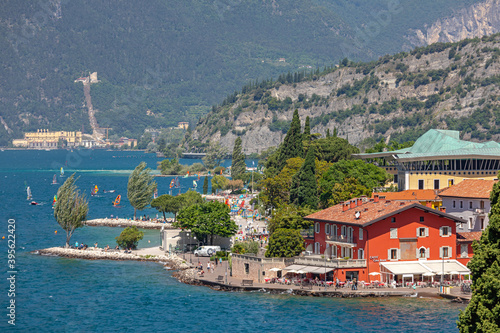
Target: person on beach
(220, 261)
(208, 266)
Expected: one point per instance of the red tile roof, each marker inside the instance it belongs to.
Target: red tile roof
(465, 237)
(421, 195)
(370, 212)
(470, 188)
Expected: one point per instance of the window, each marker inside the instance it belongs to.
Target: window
(422, 253)
(470, 204)
(481, 205)
(421, 219)
(420, 184)
(450, 182)
(327, 229)
(393, 219)
(422, 232)
(454, 204)
(445, 252)
(360, 233)
(316, 227)
(247, 268)
(482, 224)
(394, 233)
(395, 178)
(461, 204)
(445, 231)
(471, 223)
(436, 184)
(393, 254)
(316, 248)
(361, 254)
(464, 250)
(342, 232)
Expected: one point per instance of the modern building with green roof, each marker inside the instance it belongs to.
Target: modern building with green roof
(439, 159)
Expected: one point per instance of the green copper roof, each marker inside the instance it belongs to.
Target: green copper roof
(437, 144)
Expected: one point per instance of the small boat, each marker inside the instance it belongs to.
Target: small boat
(28, 192)
(109, 191)
(117, 200)
(62, 172)
(34, 203)
(54, 180)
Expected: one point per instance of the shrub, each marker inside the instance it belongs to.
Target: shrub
(129, 238)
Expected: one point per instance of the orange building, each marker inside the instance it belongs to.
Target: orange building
(429, 198)
(399, 240)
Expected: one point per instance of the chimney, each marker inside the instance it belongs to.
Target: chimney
(353, 204)
(375, 198)
(442, 209)
(359, 201)
(428, 204)
(345, 206)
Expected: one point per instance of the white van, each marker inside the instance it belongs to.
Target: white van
(206, 251)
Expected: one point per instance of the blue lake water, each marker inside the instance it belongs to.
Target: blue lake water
(69, 295)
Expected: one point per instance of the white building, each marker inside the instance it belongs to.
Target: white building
(469, 200)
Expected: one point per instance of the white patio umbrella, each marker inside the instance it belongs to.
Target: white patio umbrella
(454, 273)
(275, 269)
(374, 273)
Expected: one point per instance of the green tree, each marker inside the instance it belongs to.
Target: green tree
(306, 136)
(292, 144)
(171, 167)
(71, 207)
(348, 189)
(483, 312)
(167, 204)
(140, 187)
(246, 247)
(219, 183)
(129, 238)
(285, 243)
(207, 220)
(215, 155)
(238, 166)
(205, 185)
(304, 189)
(333, 149)
(289, 217)
(327, 133)
(367, 175)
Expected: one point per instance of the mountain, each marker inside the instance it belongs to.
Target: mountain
(444, 85)
(164, 61)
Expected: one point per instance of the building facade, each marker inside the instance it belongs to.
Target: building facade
(437, 160)
(383, 231)
(44, 138)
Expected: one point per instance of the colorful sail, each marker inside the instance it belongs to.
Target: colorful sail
(62, 171)
(187, 175)
(172, 183)
(177, 184)
(54, 200)
(28, 192)
(96, 189)
(155, 193)
(195, 184)
(221, 172)
(117, 200)
(54, 179)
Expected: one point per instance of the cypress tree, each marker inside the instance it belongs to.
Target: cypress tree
(307, 130)
(304, 189)
(327, 132)
(292, 144)
(483, 312)
(335, 132)
(205, 185)
(238, 166)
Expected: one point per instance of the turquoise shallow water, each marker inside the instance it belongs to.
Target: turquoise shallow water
(69, 295)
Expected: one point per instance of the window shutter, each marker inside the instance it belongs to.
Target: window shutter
(441, 231)
(449, 252)
(399, 254)
(441, 252)
(417, 253)
(426, 232)
(428, 253)
(360, 233)
(418, 233)
(389, 254)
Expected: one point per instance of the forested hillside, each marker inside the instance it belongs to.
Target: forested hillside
(444, 85)
(163, 61)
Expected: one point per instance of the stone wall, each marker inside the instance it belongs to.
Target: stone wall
(256, 268)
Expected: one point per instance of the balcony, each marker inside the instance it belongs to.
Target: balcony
(332, 263)
(479, 212)
(341, 240)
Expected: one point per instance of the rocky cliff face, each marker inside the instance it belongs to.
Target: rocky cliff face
(440, 86)
(475, 21)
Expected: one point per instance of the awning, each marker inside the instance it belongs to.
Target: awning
(343, 244)
(294, 267)
(321, 270)
(424, 267)
(308, 269)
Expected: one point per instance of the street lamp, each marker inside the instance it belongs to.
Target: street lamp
(326, 248)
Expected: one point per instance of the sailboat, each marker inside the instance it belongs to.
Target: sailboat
(54, 201)
(54, 180)
(94, 190)
(62, 172)
(117, 200)
(28, 192)
(195, 185)
(187, 175)
(155, 193)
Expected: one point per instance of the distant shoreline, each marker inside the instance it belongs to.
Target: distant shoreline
(116, 222)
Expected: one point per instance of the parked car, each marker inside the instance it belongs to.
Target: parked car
(206, 251)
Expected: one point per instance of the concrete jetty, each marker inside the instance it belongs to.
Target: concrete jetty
(123, 223)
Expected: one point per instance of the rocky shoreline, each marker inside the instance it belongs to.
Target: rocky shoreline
(171, 261)
(109, 222)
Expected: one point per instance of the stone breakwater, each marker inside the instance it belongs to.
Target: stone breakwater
(128, 223)
(172, 261)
